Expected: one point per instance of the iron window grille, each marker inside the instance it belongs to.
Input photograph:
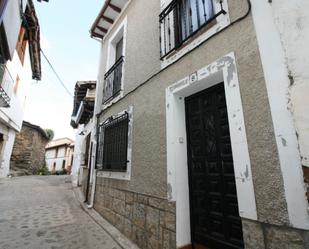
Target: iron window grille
(112, 81)
(113, 144)
(182, 19)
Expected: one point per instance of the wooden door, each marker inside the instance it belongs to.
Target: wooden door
(215, 221)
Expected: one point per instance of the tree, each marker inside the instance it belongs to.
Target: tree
(50, 134)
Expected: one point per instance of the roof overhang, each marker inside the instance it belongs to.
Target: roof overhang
(33, 28)
(84, 98)
(106, 18)
(36, 127)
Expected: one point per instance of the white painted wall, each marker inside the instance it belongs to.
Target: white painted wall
(222, 70)
(291, 19)
(6, 152)
(12, 22)
(79, 151)
(284, 51)
(12, 117)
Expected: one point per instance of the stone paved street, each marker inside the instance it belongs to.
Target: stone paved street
(41, 212)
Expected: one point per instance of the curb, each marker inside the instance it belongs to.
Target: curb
(115, 234)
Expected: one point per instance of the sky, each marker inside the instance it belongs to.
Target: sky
(66, 41)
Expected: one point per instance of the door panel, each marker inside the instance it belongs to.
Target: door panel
(215, 220)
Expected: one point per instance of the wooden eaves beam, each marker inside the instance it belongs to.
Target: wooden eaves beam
(102, 29)
(114, 7)
(95, 34)
(111, 21)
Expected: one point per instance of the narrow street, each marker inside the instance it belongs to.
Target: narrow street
(41, 212)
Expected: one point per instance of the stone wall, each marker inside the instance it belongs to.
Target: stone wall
(148, 221)
(267, 236)
(28, 154)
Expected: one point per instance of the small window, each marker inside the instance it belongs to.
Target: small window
(63, 164)
(113, 78)
(21, 44)
(119, 49)
(113, 144)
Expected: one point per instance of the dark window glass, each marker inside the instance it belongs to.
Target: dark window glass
(119, 48)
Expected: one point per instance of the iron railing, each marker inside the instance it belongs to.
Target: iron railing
(113, 144)
(6, 86)
(112, 81)
(181, 19)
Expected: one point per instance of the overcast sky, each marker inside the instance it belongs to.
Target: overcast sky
(66, 41)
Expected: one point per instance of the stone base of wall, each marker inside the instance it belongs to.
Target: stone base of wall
(266, 236)
(148, 221)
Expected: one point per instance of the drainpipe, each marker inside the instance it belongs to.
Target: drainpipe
(94, 178)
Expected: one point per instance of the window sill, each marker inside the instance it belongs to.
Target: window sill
(113, 100)
(114, 175)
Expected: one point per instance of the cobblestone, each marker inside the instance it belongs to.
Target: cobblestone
(41, 212)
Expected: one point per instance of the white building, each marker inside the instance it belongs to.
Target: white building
(82, 121)
(20, 62)
(59, 154)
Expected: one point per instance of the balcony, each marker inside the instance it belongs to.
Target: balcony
(112, 81)
(182, 19)
(6, 86)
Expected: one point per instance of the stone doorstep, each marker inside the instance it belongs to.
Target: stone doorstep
(116, 235)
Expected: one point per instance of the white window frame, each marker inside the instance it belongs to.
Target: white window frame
(221, 22)
(120, 32)
(127, 174)
(222, 70)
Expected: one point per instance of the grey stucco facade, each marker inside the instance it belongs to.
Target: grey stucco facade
(145, 85)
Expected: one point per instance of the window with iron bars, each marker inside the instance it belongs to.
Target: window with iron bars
(113, 144)
(181, 19)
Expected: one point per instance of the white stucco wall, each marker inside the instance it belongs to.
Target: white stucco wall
(292, 21)
(79, 150)
(77, 155)
(283, 54)
(6, 151)
(12, 23)
(13, 116)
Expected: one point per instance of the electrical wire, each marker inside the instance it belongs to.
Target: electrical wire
(44, 55)
(57, 75)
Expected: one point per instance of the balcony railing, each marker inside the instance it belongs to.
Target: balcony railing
(181, 19)
(6, 86)
(112, 81)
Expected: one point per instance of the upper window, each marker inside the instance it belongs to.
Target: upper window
(113, 144)
(113, 78)
(181, 19)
